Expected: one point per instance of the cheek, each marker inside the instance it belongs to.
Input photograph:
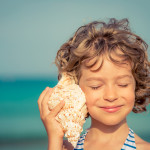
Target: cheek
(130, 102)
(91, 98)
(129, 97)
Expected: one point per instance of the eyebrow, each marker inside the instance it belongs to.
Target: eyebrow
(100, 79)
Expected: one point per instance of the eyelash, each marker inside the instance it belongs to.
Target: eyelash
(95, 88)
(125, 85)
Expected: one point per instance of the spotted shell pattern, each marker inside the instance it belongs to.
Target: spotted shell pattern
(72, 115)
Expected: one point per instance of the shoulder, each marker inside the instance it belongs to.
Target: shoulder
(141, 144)
(67, 145)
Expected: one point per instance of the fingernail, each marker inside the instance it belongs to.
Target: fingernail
(62, 101)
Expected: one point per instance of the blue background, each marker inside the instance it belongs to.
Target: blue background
(31, 32)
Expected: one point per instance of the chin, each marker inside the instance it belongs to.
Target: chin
(109, 120)
(113, 122)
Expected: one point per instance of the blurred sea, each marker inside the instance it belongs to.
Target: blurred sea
(20, 124)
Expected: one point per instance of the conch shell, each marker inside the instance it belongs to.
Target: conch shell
(72, 115)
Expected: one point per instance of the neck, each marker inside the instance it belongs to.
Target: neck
(107, 132)
(108, 128)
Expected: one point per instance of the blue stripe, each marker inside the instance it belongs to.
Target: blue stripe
(131, 131)
(129, 145)
(131, 136)
(81, 140)
(79, 149)
(130, 141)
(80, 144)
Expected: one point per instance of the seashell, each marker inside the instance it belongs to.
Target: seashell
(72, 115)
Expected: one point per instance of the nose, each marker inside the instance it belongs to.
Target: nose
(110, 94)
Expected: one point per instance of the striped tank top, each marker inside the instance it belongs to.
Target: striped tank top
(128, 145)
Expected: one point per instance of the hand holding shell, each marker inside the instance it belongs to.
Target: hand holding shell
(72, 116)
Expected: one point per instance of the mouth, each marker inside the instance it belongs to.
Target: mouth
(111, 109)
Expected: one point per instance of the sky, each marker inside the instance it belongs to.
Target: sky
(32, 31)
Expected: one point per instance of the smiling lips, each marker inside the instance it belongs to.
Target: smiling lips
(111, 109)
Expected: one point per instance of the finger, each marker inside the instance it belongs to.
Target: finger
(44, 105)
(57, 109)
(41, 97)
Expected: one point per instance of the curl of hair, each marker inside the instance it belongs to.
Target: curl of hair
(97, 38)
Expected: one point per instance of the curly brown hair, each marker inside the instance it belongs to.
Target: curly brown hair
(97, 38)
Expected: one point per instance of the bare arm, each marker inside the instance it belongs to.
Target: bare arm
(55, 144)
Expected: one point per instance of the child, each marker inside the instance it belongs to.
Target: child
(110, 65)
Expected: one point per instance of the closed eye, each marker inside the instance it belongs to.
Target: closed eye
(123, 85)
(96, 87)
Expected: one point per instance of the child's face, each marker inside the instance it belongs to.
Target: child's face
(110, 91)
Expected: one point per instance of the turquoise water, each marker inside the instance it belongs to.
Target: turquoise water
(20, 124)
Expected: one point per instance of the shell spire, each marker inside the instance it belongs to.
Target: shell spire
(72, 115)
